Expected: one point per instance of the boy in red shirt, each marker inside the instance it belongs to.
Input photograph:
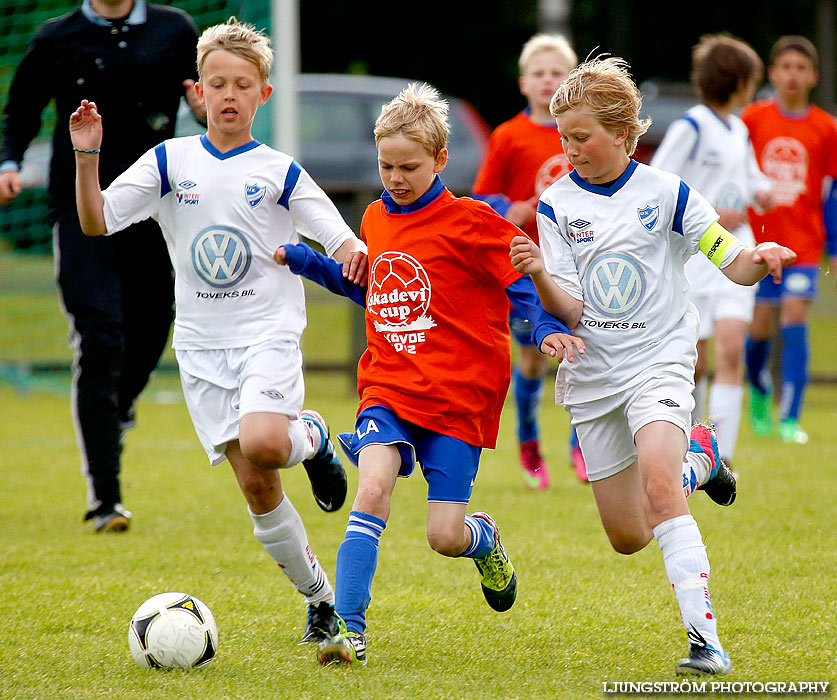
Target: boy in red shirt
(796, 146)
(525, 156)
(439, 284)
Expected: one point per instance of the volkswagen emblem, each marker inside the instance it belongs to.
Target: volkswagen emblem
(221, 256)
(615, 285)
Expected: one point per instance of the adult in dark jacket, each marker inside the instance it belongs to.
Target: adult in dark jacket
(136, 61)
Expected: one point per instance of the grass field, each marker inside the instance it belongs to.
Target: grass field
(584, 615)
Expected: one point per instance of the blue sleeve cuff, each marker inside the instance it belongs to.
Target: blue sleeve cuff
(498, 202)
(523, 295)
(327, 272)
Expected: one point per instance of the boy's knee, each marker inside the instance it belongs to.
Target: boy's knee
(267, 451)
(626, 542)
(447, 543)
(371, 498)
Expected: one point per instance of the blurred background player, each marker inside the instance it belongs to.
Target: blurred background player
(622, 288)
(104, 51)
(796, 146)
(224, 203)
(419, 403)
(709, 148)
(525, 156)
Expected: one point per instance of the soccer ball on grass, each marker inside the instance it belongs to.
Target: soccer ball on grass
(173, 630)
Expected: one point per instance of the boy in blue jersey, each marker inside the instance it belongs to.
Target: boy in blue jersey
(224, 203)
(615, 235)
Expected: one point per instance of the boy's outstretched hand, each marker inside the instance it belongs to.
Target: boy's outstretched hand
(86, 127)
(556, 344)
(356, 267)
(775, 257)
(526, 256)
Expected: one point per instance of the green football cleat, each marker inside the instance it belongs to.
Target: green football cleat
(348, 648)
(761, 412)
(791, 432)
(498, 580)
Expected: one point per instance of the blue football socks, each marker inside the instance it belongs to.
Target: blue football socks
(482, 538)
(357, 559)
(794, 370)
(527, 396)
(756, 353)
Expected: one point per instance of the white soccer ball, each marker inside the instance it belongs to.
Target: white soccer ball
(173, 630)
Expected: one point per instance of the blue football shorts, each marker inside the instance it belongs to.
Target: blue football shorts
(449, 465)
(797, 281)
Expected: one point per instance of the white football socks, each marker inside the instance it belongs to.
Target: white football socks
(687, 567)
(306, 441)
(725, 405)
(282, 534)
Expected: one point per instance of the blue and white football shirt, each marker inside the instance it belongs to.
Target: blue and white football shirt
(715, 157)
(223, 215)
(621, 249)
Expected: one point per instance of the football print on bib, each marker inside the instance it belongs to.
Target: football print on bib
(399, 299)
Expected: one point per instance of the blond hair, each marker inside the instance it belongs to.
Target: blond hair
(604, 86)
(547, 42)
(243, 40)
(418, 114)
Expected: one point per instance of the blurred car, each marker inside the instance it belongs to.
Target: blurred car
(337, 114)
(663, 102)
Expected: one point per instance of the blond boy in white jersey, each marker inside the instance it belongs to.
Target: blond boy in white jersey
(615, 236)
(224, 203)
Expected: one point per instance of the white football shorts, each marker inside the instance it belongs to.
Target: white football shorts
(220, 386)
(728, 301)
(606, 426)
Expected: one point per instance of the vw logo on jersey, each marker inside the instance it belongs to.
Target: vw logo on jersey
(615, 285)
(255, 193)
(648, 216)
(221, 256)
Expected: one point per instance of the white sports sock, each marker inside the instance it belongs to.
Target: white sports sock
(696, 470)
(282, 534)
(725, 402)
(305, 442)
(699, 392)
(687, 567)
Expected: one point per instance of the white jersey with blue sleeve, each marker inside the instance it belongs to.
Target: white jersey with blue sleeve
(714, 156)
(223, 215)
(621, 250)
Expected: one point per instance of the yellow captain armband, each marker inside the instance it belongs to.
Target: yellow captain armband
(715, 243)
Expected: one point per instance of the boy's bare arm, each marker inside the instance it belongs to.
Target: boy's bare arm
(86, 135)
(751, 265)
(526, 258)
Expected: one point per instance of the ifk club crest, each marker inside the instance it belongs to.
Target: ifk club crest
(648, 216)
(254, 193)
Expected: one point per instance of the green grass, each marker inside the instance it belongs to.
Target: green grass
(584, 614)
